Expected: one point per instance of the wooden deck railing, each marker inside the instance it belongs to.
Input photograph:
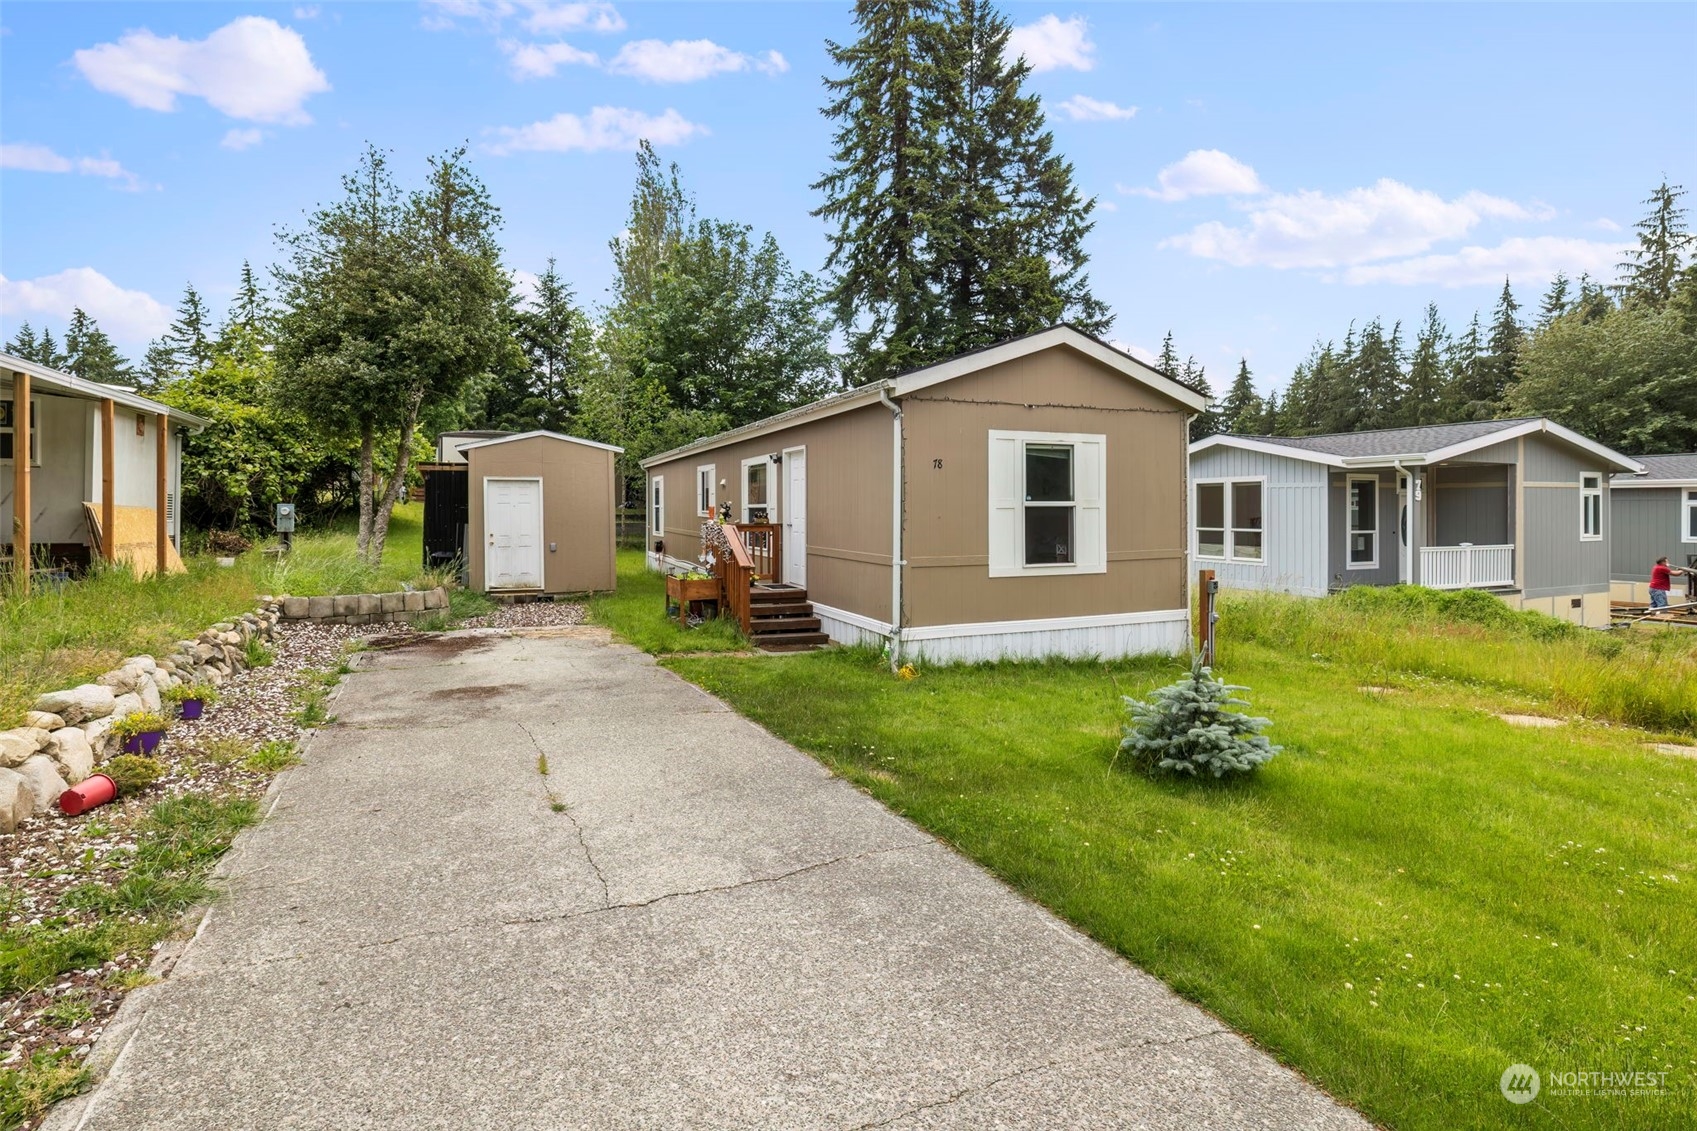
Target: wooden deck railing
(736, 575)
(765, 543)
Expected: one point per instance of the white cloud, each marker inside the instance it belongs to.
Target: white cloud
(252, 68)
(1604, 224)
(541, 17)
(129, 316)
(1083, 108)
(1053, 43)
(306, 11)
(1315, 229)
(1106, 205)
(33, 158)
(606, 127)
(539, 60)
(1146, 356)
(1202, 172)
(688, 60)
(243, 139)
(1537, 257)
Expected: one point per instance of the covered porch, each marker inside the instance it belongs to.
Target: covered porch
(1450, 526)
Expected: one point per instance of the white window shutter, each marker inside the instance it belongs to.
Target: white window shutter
(1090, 481)
(1005, 502)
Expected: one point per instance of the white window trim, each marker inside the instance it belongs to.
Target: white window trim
(34, 441)
(771, 487)
(1688, 504)
(1071, 439)
(1349, 530)
(657, 506)
(712, 489)
(1586, 493)
(1228, 535)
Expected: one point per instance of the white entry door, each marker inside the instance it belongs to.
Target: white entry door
(512, 522)
(795, 516)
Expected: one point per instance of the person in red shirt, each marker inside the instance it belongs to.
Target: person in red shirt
(1661, 580)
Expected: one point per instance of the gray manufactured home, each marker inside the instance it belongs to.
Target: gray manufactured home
(1516, 507)
(1655, 514)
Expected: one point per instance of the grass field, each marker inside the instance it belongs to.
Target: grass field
(60, 637)
(1412, 897)
(636, 611)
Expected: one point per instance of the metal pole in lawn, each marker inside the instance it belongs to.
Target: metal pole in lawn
(1206, 588)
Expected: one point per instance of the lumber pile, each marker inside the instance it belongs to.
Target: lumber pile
(132, 541)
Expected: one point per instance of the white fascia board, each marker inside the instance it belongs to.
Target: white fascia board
(95, 390)
(1407, 459)
(1047, 339)
(1616, 484)
(1250, 445)
(535, 435)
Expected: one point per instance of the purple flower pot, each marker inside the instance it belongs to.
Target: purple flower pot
(144, 743)
(191, 708)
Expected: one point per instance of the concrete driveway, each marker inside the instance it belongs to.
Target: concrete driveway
(684, 923)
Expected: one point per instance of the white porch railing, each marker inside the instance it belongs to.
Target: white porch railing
(1466, 567)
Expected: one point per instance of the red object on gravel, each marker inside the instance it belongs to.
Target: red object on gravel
(92, 791)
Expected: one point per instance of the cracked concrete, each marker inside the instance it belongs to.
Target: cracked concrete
(713, 932)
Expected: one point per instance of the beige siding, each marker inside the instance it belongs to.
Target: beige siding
(946, 533)
(577, 509)
(848, 503)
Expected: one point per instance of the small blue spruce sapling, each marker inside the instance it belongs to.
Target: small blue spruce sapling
(1192, 726)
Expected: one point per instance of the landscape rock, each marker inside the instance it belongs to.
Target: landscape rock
(145, 663)
(126, 704)
(43, 719)
(393, 602)
(368, 605)
(17, 802)
(296, 607)
(79, 704)
(42, 778)
(18, 746)
(413, 601)
(99, 734)
(70, 750)
(149, 693)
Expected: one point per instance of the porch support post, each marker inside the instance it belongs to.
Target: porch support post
(1416, 521)
(21, 505)
(108, 479)
(161, 493)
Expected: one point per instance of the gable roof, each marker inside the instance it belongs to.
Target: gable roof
(42, 379)
(1660, 471)
(1424, 444)
(512, 437)
(914, 380)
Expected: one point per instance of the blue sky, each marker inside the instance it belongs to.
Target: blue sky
(1266, 173)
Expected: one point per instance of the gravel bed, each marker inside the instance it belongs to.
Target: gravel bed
(51, 853)
(530, 614)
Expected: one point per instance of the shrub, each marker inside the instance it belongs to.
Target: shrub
(133, 772)
(256, 654)
(227, 543)
(1190, 726)
(138, 722)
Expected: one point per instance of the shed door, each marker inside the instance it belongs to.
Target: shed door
(795, 516)
(512, 520)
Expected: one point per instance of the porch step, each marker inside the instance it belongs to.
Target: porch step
(765, 593)
(766, 626)
(780, 609)
(790, 641)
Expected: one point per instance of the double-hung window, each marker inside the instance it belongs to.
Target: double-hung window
(1591, 507)
(9, 429)
(1690, 516)
(657, 506)
(1229, 520)
(756, 487)
(706, 490)
(1046, 503)
(1362, 503)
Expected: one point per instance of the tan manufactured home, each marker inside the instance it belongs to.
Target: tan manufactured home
(1025, 500)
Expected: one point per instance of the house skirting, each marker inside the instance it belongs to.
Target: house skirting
(1589, 609)
(1109, 636)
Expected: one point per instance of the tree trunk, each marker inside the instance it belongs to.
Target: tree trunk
(367, 444)
(397, 480)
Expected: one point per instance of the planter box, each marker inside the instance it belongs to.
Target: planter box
(191, 708)
(144, 743)
(680, 591)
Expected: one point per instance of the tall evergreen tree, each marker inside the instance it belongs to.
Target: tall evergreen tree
(1271, 416)
(250, 323)
(1423, 392)
(1555, 302)
(1376, 378)
(158, 366)
(1211, 420)
(1243, 411)
(556, 339)
(47, 351)
(1502, 358)
(188, 334)
(1168, 362)
(24, 343)
(1466, 384)
(661, 216)
(90, 354)
(1649, 272)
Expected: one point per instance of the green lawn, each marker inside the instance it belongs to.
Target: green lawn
(1409, 899)
(637, 612)
(58, 637)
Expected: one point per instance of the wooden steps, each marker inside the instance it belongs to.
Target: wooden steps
(781, 619)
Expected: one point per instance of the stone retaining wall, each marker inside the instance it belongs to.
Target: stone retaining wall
(364, 608)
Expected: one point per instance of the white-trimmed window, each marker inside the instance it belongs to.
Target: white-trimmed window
(8, 431)
(1047, 503)
(1690, 526)
(706, 490)
(1230, 519)
(757, 489)
(1591, 508)
(1361, 501)
(657, 505)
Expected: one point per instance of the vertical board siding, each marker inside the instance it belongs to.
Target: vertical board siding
(1470, 504)
(1390, 543)
(1646, 526)
(1293, 539)
(1557, 560)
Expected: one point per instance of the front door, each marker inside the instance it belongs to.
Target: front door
(512, 520)
(795, 516)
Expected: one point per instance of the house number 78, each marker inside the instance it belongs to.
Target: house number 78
(937, 464)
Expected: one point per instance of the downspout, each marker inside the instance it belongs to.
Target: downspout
(1185, 541)
(896, 562)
